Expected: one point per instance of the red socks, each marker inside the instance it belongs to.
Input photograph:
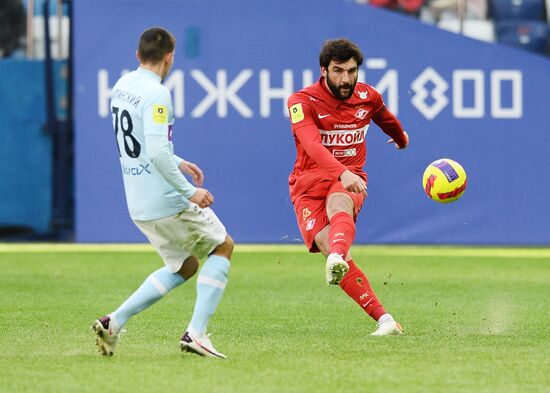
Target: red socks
(357, 286)
(354, 283)
(341, 233)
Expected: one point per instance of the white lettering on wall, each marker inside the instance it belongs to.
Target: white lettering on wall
(268, 93)
(478, 108)
(221, 93)
(103, 93)
(440, 100)
(429, 88)
(515, 111)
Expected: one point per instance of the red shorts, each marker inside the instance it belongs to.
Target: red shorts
(311, 212)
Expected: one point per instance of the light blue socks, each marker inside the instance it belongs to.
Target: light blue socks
(158, 284)
(211, 283)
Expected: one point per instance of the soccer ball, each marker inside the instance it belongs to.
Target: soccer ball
(444, 180)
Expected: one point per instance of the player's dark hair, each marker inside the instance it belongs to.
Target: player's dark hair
(154, 44)
(340, 50)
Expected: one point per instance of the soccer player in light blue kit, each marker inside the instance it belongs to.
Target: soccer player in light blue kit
(172, 213)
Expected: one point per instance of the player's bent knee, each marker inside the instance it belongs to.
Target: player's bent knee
(226, 248)
(189, 267)
(339, 203)
(229, 243)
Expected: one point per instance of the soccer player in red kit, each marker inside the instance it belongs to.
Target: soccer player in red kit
(328, 184)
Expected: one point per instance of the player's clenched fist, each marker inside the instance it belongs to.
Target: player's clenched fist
(352, 182)
(406, 141)
(202, 197)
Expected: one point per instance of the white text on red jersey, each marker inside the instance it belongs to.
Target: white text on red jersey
(343, 138)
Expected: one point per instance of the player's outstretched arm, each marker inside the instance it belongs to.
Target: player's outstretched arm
(391, 126)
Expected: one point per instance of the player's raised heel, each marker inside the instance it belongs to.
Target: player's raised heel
(106, 337)
(336, 269)
(199, 345)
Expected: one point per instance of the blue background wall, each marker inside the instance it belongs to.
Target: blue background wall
(247, 153)
(25, 149)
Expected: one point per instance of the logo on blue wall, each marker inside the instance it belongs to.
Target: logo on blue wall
(468, 91)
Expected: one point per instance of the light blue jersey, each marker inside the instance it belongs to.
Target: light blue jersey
(142, 112)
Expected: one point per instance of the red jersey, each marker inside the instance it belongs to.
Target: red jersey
(330, 133)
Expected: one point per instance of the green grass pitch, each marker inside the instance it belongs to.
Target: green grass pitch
(475, 319)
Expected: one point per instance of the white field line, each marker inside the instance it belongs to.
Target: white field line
(396, 250)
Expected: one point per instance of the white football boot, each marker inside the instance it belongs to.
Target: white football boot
(107, 335)
(387, 326)
(200, 345)
(335, 269)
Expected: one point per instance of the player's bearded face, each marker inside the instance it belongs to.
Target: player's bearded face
(341, 78)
